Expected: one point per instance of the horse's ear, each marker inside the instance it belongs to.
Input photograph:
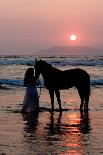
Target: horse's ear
(35, 60)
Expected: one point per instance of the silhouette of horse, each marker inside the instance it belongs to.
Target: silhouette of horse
(55, 80)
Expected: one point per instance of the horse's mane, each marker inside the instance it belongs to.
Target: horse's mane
(46, 64)
(47, 67)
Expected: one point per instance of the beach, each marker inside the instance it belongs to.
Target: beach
(70, 133)
(47, 133)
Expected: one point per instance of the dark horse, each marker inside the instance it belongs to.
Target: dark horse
(55, 80)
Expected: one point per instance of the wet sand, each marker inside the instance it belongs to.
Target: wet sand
(46, 133)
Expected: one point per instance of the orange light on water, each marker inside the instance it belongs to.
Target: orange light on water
(72, 142)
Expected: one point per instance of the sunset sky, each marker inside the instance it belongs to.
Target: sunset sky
(30, 25)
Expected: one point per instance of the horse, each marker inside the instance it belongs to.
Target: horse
(56, 80)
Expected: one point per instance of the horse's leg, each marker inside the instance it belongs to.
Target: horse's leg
(82, 103)
(86, 102)
(51, 92)
(81, 94)
(58, 99)
(87, 94)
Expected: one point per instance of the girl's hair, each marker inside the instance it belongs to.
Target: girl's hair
(28, 76)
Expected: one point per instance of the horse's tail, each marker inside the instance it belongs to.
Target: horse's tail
(87, 89)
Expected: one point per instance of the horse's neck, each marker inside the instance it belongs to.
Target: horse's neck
(48, 71)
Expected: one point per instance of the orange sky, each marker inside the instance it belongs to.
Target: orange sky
(28, 25)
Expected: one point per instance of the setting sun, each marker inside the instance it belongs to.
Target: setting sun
(73, 37)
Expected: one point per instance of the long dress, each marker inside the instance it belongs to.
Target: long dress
(31, 99)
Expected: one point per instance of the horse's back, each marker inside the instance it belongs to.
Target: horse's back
(67, 78)
(77, 76)
(74, 75)
(76, 72)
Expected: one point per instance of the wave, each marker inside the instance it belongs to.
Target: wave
(19, 82)
(27, 62)
(97, 82)
(12, 82)
(57, 61)
(78, 63)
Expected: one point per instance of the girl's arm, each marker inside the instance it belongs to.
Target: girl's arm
(36, 81)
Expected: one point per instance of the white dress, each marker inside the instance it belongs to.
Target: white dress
(31, 99)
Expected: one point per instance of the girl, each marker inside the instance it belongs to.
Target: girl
(31, 99)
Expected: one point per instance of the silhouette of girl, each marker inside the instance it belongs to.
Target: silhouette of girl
(31, 99)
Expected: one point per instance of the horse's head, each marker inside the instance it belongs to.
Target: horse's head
(38, 68)
(41, 67)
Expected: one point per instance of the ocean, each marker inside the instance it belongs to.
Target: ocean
(70, 133)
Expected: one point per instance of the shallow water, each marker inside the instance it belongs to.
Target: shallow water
(12, 68)
(47, 133)
(72, 133)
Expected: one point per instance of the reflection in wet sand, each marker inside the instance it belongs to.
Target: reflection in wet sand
(60, 133)
(70, 128)
(76, 125)
(31, 123)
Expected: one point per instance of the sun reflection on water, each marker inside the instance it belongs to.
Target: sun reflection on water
(59, 133)
(75, 126)
(73, 136)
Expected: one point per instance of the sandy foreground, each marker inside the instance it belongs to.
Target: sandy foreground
(46, 133)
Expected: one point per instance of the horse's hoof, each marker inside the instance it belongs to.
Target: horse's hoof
(86, 110)
(52, 110)
(81, 109)
(60, 110)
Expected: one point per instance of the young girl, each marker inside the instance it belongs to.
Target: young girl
(31, 99)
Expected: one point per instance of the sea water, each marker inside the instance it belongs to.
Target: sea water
(50, 133)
